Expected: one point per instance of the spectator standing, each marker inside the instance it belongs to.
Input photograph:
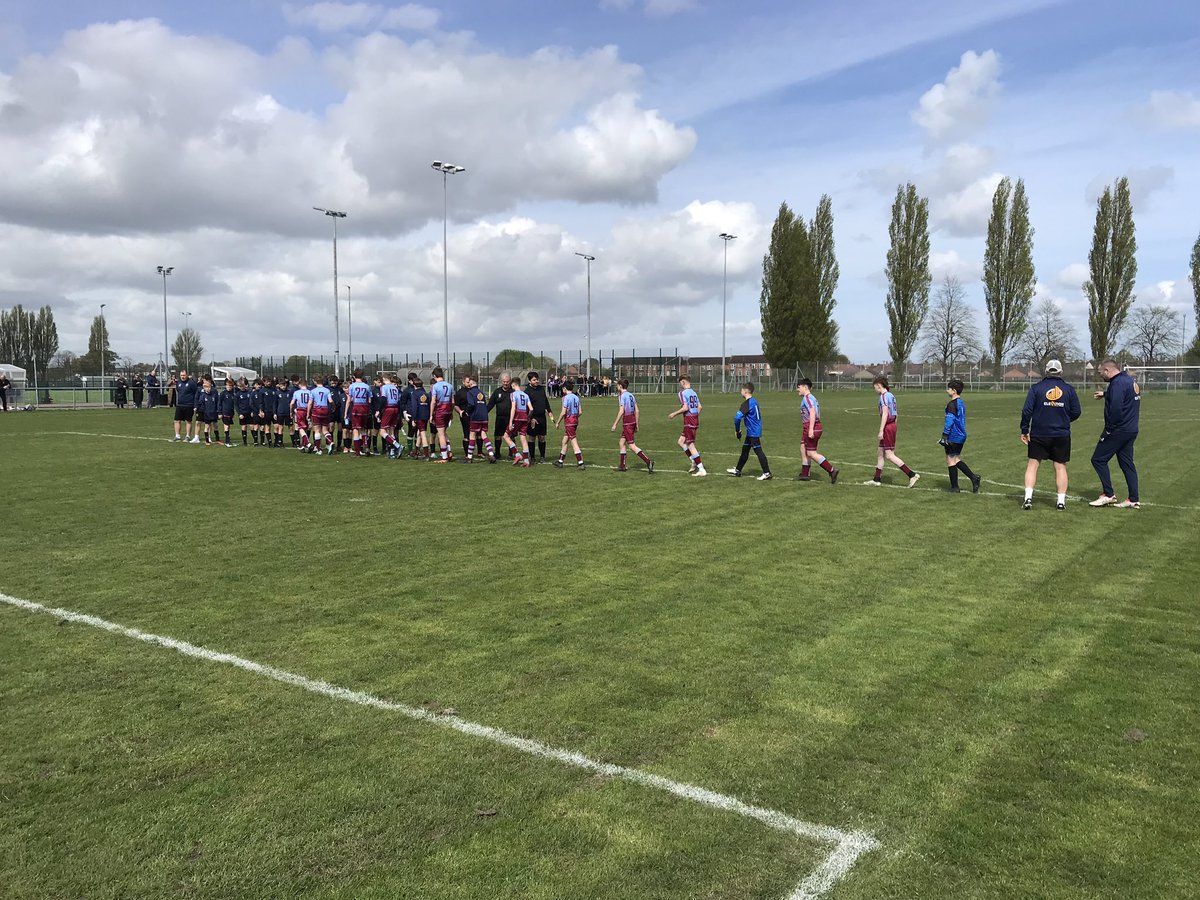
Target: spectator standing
(139, 391)
(5, 384)
(152, 387)
(121, 392)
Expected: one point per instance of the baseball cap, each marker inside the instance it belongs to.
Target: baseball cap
(1054, 367)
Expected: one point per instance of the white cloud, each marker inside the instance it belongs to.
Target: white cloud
(1073, 276)
(131, 126)
(1143, 183)
(961, 103)
(651, 7)
(948, 262)
(1174, 109)
(328, 17)
(512, 281)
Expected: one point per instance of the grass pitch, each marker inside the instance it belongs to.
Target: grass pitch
(1006, 700)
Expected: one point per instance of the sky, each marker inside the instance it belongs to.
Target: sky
(135, 134)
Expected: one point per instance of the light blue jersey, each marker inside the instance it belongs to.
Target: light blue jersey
(888, 399)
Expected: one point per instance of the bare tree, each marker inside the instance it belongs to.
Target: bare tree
(1153, 330)
(950, 333)
(1049, 334)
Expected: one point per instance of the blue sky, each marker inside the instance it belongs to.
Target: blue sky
(637, 130)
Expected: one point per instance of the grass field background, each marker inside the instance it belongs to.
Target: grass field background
(1006, 700)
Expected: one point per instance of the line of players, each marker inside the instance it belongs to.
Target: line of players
(364, 419)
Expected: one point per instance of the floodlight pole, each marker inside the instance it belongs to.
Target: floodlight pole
(349, 328)
(589, 260)
(337, 315)
(103, 346)
(447, 169)
(164, 271)
(726, 237)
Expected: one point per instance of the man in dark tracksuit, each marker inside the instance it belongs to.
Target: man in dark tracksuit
(1050, 408)
(1122, 405)
(185, 406)
(501, 402)
(462, 406)
(539, 414)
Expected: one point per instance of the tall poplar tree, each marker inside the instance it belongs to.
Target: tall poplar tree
(1009, 281)
(1195, 265)
(1113, 263)
(787, 274)
(819, 331)
(908, 275)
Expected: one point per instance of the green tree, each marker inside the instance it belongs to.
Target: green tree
(1195, 278)
(187, 351)
(819, 333)
(15, 327)
(1113, 262)
(98, 348)
(907, 273)
(45, 338)
(518, 362)
(788, 276)
(1009, 282)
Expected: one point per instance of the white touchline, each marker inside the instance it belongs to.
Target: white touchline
(848, 845)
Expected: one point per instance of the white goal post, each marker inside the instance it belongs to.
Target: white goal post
(1166, 377)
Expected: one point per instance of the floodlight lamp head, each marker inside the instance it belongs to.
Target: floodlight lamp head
(725, 236)
(586, 256)
(436, 164)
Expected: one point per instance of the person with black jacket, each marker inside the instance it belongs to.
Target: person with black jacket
(539, 414)
(120, 392)
(462, 404)
(501, 402)
(1050, 408)
(185, 406)
(1122, 405)
(139, 391)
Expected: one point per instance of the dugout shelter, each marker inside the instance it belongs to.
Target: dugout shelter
(16, 393)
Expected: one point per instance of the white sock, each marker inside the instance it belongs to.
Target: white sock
(1028, 493)
(1062, 498)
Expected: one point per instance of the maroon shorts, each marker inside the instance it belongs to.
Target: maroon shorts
(441, 415)
(810, 443)
(627, 431)
(690, 425)
(888, 442)
(321, 416)
(390, 417)
(518, 427)
(479, 428)
(570, 424)
(360, 417)
(422, 424)
(302, 417)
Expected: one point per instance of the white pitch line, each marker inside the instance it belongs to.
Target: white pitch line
(848, 846)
